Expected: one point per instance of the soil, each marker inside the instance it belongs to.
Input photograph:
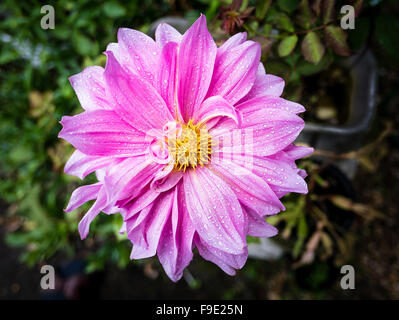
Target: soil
(16, 280)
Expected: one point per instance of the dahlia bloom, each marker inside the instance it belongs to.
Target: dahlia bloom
(190, 142)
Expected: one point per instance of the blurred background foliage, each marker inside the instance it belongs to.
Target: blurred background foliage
(301, 42)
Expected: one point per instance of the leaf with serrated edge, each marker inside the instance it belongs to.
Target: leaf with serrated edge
(312, 48)
(328, 10)
(305, 17)
(336, 39)
(287, 45)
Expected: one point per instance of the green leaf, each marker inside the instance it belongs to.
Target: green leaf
(83, 45)
(328, 8)
(302, 228)
(387, 30)
(262, 6)
(285, 23)
(297, 248)
(114, 9)
(62, 32)
(20, 154)
(316, 6)
(312, 48)
(212, 10)
(267, 28)
(305, 17)
(292, 59)
(17, 239)
(8, 56)
(251, 239)
(287, 45)
(288, 5)
(306, 68)
(32, 206)
(279, 68)
(336, 39)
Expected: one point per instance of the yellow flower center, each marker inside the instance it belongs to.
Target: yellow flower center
(191, 148)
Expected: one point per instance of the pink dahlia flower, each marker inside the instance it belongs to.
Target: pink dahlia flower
(191, 144)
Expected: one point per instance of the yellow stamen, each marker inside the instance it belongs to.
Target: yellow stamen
(191, 148)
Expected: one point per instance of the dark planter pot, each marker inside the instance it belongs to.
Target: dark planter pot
(340, 139)
(363, 72)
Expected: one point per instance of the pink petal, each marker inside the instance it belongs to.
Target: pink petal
(166, 179)
(275, 170)
(250, 189)
(266, 85)
(158, 151)
(165, 34)
(280, 176)
(102, 133)
(261, 70)
(197, 52)
(263, 102)
(257, 226)
(302, 173)
(167, 76)
(175, 246)
(80, 164)
(146, 234)
(82, 195)
(235, 72)
(144, 199)
(89, 86)
(257, 108)
(127, 178)
(122, 230)
(265, 132)
(135, 100)
(226, 261)
(232, 42)
(138, 53)
(215, 107)
(297, 152)
(214, 210)
(135, 224)
(99, 205)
